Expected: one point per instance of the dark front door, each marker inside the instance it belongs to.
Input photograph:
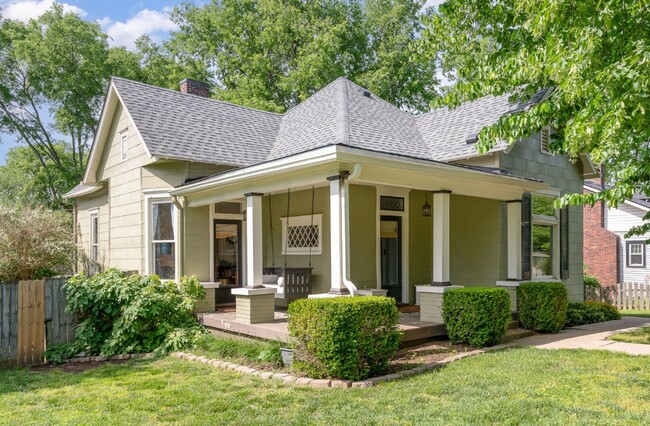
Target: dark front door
(227, 251)
(391, 255)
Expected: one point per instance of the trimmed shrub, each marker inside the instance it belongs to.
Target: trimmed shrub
(542, 306)
(349, 338)
(476, 315)
(590, 312)
(130, 314)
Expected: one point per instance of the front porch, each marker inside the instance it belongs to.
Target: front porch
(414, 329)
(353, 221)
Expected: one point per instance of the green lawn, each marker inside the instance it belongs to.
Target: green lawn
(508, 387)
(636, 313)
(640, 335)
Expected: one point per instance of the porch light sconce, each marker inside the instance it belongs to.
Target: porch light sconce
(426, 208)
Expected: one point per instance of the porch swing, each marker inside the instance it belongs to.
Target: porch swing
(290, 282)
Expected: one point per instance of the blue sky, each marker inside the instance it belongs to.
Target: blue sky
(123, 20)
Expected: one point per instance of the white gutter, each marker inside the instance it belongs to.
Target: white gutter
(356, 171)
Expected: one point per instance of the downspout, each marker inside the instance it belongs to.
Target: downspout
(356, 171)
(181, 237)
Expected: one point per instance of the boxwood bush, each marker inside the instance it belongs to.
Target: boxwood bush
(542, 306)
(590, 312)
(476, 315)
(348, 338)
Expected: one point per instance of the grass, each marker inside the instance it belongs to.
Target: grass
(517, 386)
(261, 353)
(636, 313)
(640, 335)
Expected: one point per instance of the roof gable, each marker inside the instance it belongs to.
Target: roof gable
(188, 127)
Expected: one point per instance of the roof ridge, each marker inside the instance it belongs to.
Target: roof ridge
(343, 113)
(202, 98)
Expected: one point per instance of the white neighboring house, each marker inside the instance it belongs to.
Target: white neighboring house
(634, 252)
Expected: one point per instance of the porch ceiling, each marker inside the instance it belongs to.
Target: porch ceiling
(367, 167)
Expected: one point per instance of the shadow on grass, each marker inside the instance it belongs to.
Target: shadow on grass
(27, 379)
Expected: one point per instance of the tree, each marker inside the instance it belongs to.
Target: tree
(25, 181)
(57, 64)
(34, 243)
(594, 54)
(273, 54)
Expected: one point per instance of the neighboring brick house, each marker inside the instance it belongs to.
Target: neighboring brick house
(608, 255)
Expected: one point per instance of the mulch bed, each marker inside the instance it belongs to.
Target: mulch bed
(425, 353)
(78, 367)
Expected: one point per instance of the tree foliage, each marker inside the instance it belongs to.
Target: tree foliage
(26, 181)
(594, 54)
(34, 243)
(56, 66)
(272, 54)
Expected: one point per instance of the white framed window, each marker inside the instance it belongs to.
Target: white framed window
(300, 234)
(546, 238)
(162, 238)
(93, 234)
(124, 142)
(545, 140)
(636, 254)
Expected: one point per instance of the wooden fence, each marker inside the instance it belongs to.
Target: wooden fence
(32, 317)
(625, 296)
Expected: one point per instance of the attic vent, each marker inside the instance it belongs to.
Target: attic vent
(545, 140)
(471, 138)
(366, 93)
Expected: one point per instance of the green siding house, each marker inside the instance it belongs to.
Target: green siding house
(354, 190)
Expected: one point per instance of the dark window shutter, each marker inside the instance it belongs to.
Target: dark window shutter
(526, 234)
(564, 243)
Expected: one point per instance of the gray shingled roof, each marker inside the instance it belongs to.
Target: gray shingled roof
(445, 131)
(341, 114)
(192, 128)
(640, 199)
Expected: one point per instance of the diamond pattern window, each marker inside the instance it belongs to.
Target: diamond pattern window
(302, 234)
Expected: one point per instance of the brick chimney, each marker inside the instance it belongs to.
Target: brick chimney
(195, 87)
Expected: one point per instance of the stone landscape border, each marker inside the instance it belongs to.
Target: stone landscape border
(326, 383)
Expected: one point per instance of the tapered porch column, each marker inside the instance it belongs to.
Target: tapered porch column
(514, 240)
(338, 236)
(254, 247)
(441, 238)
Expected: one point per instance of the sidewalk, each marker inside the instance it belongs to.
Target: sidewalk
(592, 336)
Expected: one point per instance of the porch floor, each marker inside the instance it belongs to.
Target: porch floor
(409, 323)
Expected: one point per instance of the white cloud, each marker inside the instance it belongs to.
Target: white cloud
(154, 23)
(26, 10)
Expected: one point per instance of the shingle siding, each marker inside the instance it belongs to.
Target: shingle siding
(526, 159)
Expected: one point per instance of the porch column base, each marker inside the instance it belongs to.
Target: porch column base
(511, 286)
(339, 291)
(254, 305)
(441, 283)
(431, 298)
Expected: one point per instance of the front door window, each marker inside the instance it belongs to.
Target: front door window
(227, 251)
(391, 256)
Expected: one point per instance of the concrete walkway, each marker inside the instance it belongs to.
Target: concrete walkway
(592, 336)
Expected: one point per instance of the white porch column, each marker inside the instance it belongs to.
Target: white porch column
(514, 240)
(441, 238)
(254, 244)
(337, 234)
